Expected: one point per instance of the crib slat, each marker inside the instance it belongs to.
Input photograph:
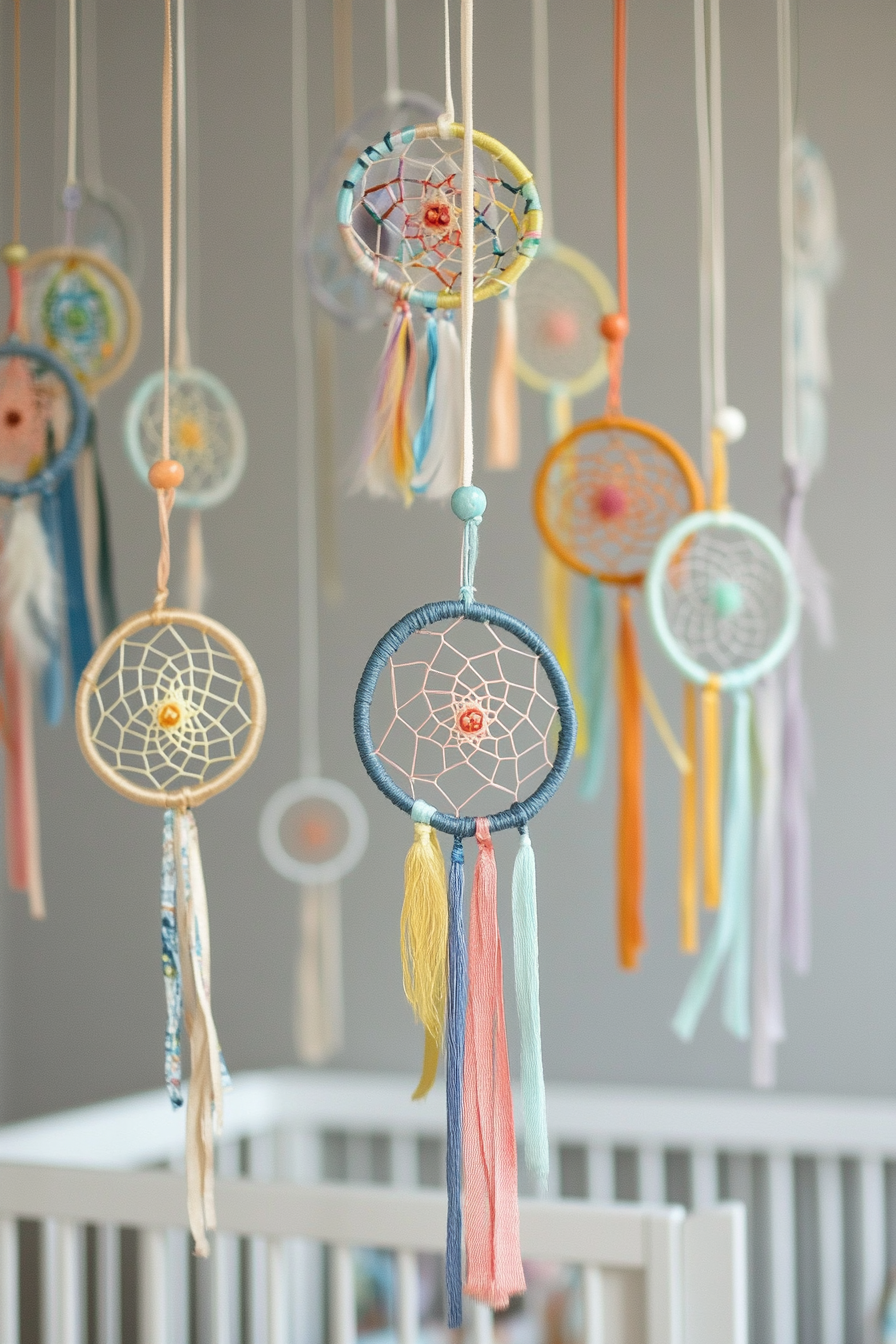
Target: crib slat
(593, 1305)
(782, 1248)
(226, 1264)
(651, 1176)
(601, 1177)
(704, 1178)
(153, 1313)
(555, 1182)
(61, 1288)
(9, 1281)
(277, 1314)
(108, 1284)
(483, 1324)
(300, 1159)
(830, 1235)
(343, 1318)
(874, 1234)
(177, 1286)
(262, 1164)
(408, 1297)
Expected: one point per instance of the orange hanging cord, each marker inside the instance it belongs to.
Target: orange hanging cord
(14, 254)
(614, 327)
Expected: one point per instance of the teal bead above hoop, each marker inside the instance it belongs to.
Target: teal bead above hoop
(468, 502)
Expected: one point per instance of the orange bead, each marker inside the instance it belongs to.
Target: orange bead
(166, 474)
(614, 327)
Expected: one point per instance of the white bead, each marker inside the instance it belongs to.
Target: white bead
(732, 423)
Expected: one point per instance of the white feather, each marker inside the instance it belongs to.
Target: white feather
(29, 587)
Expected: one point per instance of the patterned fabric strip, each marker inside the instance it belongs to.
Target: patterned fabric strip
(174, 997)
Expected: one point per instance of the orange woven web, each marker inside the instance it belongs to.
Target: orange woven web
(605, 499)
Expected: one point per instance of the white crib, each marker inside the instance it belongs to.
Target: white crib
(816, 1176)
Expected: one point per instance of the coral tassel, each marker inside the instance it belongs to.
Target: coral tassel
(491, 1212)
(387, 465)
(424, 939)
(503, 447)
(712, 794)
(630, 825)
(22, 818)
(690, 926)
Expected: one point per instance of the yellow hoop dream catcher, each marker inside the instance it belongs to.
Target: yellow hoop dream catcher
(170, 712)
(603, 498)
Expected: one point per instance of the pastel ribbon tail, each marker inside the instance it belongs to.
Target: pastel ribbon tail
(86, 492)
(454, 1076)
(439, 469)
(729, 936)
(688, 904)
(195, 578)
(796, 780)
(813, 579)
(207, 1073)
(424, 943)
(490, 1208)
(318, 1029)
(423, 437)
(630, 822)
(525, 965)
(108, 603)
(387, 454)
(712, 794)
(503, 443)
(171, 968)
(595, 688)
(768, 1005)
(23, 862)
(80, 639)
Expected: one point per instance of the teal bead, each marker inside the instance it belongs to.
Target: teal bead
(467, 502)
(727, 597)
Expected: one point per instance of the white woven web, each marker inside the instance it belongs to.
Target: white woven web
(207, 436)
(170, 709)
(559, 314)
(407, 215)
(725, 598)
(466, 721)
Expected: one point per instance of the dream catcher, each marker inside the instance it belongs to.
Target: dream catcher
(313, 831)
(399, 213)
(604, 496)
(207, 433)
(811, 258)
(724, 602)
(455, 720)
(171, 711)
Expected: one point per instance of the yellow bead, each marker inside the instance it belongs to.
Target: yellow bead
(14, 254)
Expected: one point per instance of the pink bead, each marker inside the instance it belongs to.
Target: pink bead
(610, 502)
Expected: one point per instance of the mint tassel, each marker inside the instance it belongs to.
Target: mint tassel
(525, 965)
(423, 437)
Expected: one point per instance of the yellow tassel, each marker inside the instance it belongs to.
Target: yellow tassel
(424, 931)
(428, 1072)
(690, 925)
(712, 795)
(503, 446)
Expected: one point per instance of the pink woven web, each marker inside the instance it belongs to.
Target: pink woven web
(467, 724)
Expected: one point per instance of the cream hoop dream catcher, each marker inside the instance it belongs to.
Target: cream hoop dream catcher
(170, 711)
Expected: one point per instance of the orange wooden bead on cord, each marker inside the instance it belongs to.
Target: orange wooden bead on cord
(166, 474)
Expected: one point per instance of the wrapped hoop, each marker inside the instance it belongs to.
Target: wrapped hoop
(675, 545)
(560, 471)
(337, 796)
(89, 705)
(392, 272)
(46, 480)
(114, 303)
(520, 812)
(591, 287)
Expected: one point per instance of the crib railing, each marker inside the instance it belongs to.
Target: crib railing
(647, 1275)
(817, 1175)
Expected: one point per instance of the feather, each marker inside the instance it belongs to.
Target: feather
(29, 589)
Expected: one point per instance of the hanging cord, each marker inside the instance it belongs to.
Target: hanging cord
(306, 411)
(14, 253)
(343, 74)
(447, 117)
(468, 225)
(614, 327)
(392, 96)
(541, 108)
(90, 117)
(785, 205)
(71, 196)
(181, 336)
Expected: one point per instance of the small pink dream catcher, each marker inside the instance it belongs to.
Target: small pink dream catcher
(207, 434)
(724, 602)
(463, 719)
(313, 830)
(399, 212)
(170, 711)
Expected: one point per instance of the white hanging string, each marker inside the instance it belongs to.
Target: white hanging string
(181, 336)
(713, 374)
(90, 117)
(447, 116)
(71, 179)
(541, 109)
(785, 206)
(393, 88)
(468, 225)
(308, 666)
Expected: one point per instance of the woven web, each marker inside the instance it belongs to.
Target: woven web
(205, 438)
(32, 398)
(466, 723)
(407, 215)
(79, 313)
(559, 315)
(610, 497)
(725, 598)
(170, 709)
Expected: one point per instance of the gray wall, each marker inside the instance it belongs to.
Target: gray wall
(82, 1008)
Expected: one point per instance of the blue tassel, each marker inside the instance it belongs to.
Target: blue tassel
(455, 1026)
(174, 998)
(525, 964)
(423, 437)
(730, 937)
(53, 677)
(595, 683)
(80, 639)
